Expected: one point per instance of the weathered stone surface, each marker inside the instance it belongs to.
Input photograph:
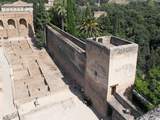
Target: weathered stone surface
(109, 61)
(151, 115)
(33, 76)
(70, 56)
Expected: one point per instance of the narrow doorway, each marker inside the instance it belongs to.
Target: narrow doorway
(113, 89)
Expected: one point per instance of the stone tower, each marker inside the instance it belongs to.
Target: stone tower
(110, 68)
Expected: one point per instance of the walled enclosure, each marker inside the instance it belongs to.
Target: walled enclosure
(95, 66)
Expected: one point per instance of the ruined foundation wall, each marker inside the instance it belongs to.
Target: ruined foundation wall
(67, 54)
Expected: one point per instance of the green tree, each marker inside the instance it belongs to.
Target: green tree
(40, 20)
(89, 26)
(154, 73)
(60, 8)
(71, 22)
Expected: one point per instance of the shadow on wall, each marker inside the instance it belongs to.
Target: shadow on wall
(30, 31)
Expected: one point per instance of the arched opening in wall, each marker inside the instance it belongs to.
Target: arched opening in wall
(1, 25)
(23, 23)
(11, 24)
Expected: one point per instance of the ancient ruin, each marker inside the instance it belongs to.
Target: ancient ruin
(16, 20)
(82, 80)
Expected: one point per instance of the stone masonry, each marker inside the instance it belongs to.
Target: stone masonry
(104, 68)
(16, 20)
(110, 67)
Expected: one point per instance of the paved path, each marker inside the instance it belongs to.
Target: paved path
(58, 103)
(7, 96)
(61, 106)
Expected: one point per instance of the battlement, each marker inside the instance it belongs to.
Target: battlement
(110, 41)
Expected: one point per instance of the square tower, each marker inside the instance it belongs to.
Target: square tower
(110, 67)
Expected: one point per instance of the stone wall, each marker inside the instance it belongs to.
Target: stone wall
(68, 55)
(95, 66)
(96, 77)
(73, 39)
(16, 24)
(122, 67)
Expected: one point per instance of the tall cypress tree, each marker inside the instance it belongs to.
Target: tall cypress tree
(40, 20)
(71, 25)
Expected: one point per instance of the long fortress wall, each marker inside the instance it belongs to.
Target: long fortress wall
(68, 52)
(102, 67)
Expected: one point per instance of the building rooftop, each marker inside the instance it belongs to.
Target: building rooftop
(18, 3)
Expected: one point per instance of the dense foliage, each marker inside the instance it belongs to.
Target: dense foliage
(40, 20)
(139, 22)
(71, 18)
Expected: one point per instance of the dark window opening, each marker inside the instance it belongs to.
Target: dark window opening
(23, 23)
(113, 89)
(100, 40)
(11, 24)
(95, 73)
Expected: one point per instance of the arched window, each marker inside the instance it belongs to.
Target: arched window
(11, 24)
(1, 25)
(23, 23)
